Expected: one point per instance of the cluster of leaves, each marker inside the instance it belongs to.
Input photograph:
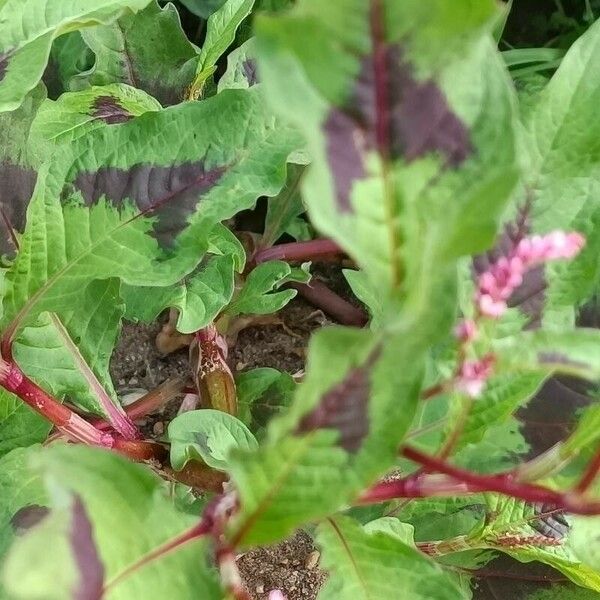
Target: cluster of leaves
(126, 148)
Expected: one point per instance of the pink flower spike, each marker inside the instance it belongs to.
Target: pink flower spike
(552, 246)
(473, 375)
(489, 307)
(496, 285)
(466, 330)
(276, 595)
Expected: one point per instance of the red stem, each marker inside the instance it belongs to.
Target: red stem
(590, 474)
(433, 391)
(317, 293)
(297, 251)
(63, 418)
(150, 402)
(465, 482)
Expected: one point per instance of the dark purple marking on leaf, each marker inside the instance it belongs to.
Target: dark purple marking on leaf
(85, 553)
(552, 414)
(250, 71)
(505, 578)
(5, 57)
(16, 188)
(109, 110)
(344, 154)
(171, 194)
(558, 358)
(27, 517)
(551, 522)
(345, 407)
(390, 111)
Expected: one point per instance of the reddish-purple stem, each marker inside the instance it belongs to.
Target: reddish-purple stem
(64, 419)
(150, 402)
(465, 482)
(590, 474)
(299, 251)
(318, 294)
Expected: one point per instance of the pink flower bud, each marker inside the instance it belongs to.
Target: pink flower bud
(466, 330)
(473, 375)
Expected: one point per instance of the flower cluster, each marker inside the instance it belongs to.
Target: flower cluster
(496, 285)
(494, 288)
(473, 374)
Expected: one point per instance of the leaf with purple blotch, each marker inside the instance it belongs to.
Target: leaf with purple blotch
(569, 352)
(148, 207)
(85, 486)
(242, 68)
(75, 114)
(539, 532)
(27, 32)
(341, 431)
(23, 499)
(18, 165)
(344, 407)
(406, 175)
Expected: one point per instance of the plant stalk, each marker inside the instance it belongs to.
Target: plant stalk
(460, 482)
(317, 293)
(62, 417)
(319, 249)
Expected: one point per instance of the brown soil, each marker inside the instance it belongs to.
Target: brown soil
(290, 566)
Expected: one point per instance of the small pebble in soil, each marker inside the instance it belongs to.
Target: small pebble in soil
(312, 560)
(158, 428)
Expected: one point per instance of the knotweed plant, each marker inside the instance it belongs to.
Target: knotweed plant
(385, 136)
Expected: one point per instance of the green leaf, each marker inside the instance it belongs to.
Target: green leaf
(68, 531)
(526, 534)
(407, 204)
(560, 592)
(75, 114)
(18, 163)
(200, 296)
(257, 295)
(27, 33)
(130, 516)
(69, 57)
(209, 435)
(262, 393)
(563, 160)
(368, 294)
(502, 396)
(70, 357)
(241, 68)
(20, 426)
(148, 51)
(376, 562)
(572, 283)
(20, 487)
(340, 433)
(283, 209)
(220, 33)
(586, 433)
(203, 8)
(574, 352)
(202, 164)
